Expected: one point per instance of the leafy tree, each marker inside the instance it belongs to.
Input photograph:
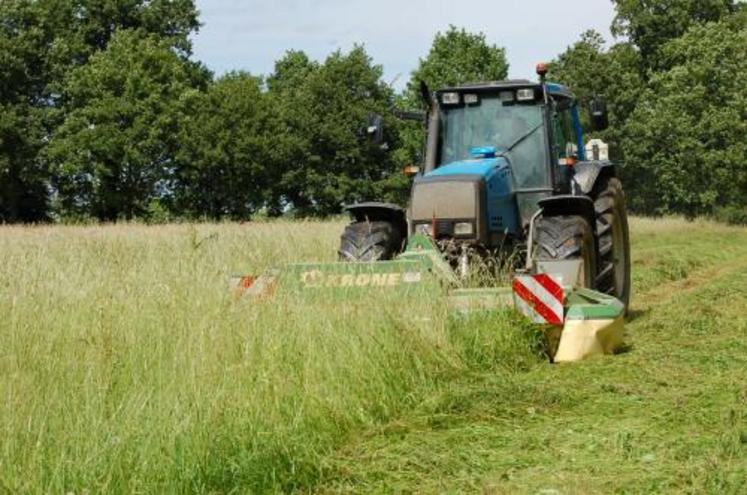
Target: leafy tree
(226, 164)
(23, 177)
(292, 146)
(589, 69)
(675, 102)
(291, 72)
(685, 143)
(171, 21)
(457, 57)
(651, 24)
(27, 29)
(40, 43)
(322, 151)
(114, 153)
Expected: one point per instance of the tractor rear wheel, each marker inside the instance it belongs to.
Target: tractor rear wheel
(567, 237)
(369, 241)
(613, 239)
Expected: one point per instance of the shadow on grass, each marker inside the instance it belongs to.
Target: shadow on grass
(635, 314)
(625, 348)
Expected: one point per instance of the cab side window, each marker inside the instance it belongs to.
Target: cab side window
(564, 133)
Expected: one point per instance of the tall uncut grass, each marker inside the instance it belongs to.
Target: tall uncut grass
(126, 365)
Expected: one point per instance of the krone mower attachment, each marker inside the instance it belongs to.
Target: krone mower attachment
(578, 322)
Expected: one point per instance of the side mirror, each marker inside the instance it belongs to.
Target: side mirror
(375, 129)
(598, 113)
(425, 94)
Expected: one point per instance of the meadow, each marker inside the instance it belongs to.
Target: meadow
(127, 366)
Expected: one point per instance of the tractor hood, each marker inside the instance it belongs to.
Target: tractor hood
(478, 190)
(482, 167)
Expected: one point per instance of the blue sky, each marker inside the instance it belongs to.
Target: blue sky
(251, 34)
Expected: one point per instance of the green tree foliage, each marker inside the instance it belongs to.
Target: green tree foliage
(172, 21)
(292, 145)
(40, 43)
(23, 190)
(458, 56)
(291, 72)
(685, 143)
(323, 153)
(227, 139)
(114, 153)
(676, 101)
(27, 30)
(650, 24)
(591, 70)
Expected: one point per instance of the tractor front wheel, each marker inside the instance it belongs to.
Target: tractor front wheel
(567, 237)
(370, 241)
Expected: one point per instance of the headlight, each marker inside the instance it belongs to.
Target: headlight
(463, 228)
(525, 95)
(424, 228)
(450, 98)
(470, 99)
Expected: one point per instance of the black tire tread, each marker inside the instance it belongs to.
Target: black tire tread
(608, 196)
(564, 238)
(369, 241)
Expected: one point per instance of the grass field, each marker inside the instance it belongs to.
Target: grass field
(125, 366)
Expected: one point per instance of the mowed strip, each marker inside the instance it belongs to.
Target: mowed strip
(666, 416)
(666, 292)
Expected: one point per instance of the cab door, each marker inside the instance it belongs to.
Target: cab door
(565, 147)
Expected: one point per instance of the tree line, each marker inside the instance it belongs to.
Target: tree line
(104, 114)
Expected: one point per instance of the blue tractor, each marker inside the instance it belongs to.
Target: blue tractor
(506, 170)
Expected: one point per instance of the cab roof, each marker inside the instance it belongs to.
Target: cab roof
(554, 89)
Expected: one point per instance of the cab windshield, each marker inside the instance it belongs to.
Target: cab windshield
(515, 130)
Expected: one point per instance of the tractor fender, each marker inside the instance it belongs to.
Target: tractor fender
(586, 173)
(570, 205)
(375, 212)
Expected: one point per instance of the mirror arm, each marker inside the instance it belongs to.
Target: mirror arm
(411, 115)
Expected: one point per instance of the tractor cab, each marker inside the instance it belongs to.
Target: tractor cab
(514, 118)
(527, 133)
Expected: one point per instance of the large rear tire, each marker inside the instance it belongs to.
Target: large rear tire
(370, 241)
(567, 237)
(613, 239)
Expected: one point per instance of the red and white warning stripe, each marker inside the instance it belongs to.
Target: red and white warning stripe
(540, 297)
